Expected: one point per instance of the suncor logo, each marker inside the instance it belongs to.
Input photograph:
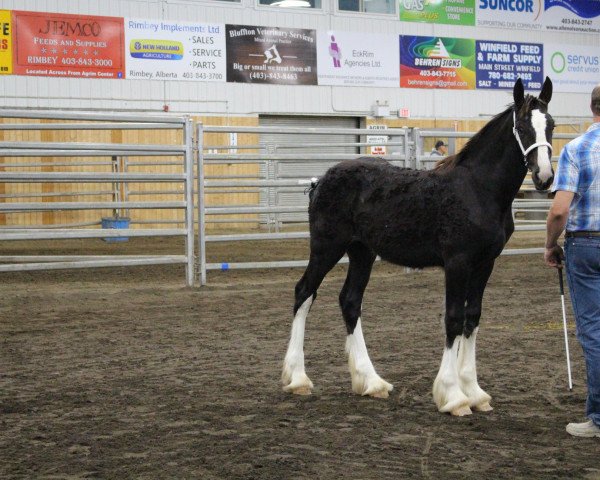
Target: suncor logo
(507, 5)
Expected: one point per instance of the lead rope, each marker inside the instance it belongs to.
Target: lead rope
(531, 147)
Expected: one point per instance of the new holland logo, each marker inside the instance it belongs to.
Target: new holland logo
(156, 49)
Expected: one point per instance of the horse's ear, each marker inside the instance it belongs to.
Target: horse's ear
(546, 93)
(519, 93)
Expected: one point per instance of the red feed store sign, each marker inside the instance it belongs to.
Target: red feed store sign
(63, 45)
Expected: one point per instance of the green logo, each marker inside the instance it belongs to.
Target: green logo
(558, 62)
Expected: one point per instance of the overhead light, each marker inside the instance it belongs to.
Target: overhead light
(291, 4)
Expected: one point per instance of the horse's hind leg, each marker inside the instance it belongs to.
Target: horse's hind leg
(467, 371)
(322, 260)
(365, 380)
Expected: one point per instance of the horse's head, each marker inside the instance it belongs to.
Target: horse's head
(533, 128)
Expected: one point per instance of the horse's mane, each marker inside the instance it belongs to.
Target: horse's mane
(446, 163)
(473, 145)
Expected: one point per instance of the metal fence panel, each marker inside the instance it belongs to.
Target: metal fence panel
(118, 179)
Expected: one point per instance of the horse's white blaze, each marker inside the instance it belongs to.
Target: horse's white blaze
(538, 121)
(365, 380)
(447, 393)
(293, 376)
(467, 373)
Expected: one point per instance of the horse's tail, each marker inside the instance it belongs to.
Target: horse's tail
(314, 183)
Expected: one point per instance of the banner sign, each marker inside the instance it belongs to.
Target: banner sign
(163, 50)
(450, 12)
(273, 55)
(550, 15)
(5, 43)
(499, 64)
(63, 45)
(437, 62)
(352, 59)
(572, 68)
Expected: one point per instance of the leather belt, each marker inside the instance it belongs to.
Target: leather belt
(583, 233)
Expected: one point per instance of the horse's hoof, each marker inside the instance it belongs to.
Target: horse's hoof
(378, 388)
(483, 407)
(379, 394)
(302, 390)
(297, 383)
(461, 411)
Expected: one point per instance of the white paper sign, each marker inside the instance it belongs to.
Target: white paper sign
(377, 140)
(166, 50)
(357, 59)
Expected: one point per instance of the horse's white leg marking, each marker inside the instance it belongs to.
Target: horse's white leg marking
(538, 121)
(467, 374)
(365, 380)
(446, 389)
(293, 376)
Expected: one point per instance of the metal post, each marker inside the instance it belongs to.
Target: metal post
(201, 200)
(417, 144)
(407, 159)
(126, 184)
(115, 185)
(189, 201)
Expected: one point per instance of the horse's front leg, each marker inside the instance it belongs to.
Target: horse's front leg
(478, 399)
(467, 369)
(447, 392)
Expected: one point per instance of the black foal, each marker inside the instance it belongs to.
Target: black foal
(457, 216)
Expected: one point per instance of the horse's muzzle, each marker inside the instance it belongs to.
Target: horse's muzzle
(540, 184)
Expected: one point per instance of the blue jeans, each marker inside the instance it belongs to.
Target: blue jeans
(582, 260)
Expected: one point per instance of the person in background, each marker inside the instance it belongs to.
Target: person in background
(576, 207)
(441, 149)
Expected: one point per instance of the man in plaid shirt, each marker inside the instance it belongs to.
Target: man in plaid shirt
(576, 206)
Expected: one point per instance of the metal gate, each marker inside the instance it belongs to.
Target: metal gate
(311, 165)
(300, 145)
(74, 169)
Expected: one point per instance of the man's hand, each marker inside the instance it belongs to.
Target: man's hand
(554, 256)
(555, 224)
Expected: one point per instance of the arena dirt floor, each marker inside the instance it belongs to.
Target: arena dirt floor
(126, 373)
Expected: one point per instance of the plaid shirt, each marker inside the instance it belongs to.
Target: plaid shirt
(578, 171)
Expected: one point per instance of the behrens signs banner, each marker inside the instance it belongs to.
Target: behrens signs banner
(437, 62)
(354, 59)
